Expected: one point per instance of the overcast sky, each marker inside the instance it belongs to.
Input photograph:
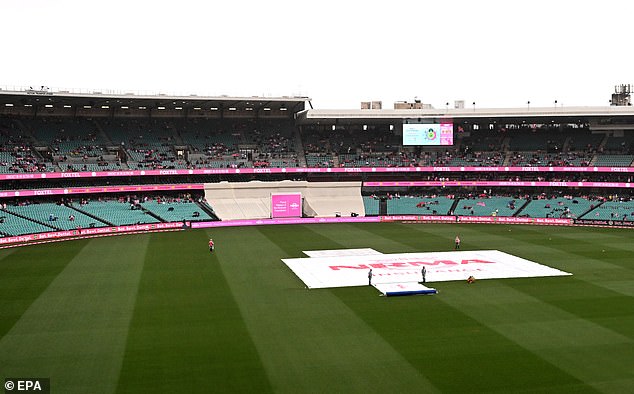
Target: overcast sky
(339, 53)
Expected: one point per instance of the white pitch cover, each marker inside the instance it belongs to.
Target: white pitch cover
(341, 252)
(343, 271)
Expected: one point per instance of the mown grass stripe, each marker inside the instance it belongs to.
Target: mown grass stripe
(553, 246)
(455, 351)
(309, 340)
(545, 330)
(612, 270)
(447, 349)
(550, 374)
(25, 273)
(412, 238)
(186, 333)
(378, 236)
(75, 331)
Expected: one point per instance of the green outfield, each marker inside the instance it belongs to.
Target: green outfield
(157, 313)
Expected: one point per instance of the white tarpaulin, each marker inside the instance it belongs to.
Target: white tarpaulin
(343, 271)
(341, 252)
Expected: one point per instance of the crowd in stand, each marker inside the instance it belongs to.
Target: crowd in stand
(17, 153)
(152, 144)
(537, 159)
(129, 199)
(22, 160)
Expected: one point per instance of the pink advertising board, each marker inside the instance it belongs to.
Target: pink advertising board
(498, 183)
(286, 205)
(99, 189)
(91, 231)
(299, 170)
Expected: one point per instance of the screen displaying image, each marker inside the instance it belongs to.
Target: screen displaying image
(434, 134)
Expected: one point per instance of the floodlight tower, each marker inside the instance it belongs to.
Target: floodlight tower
(622, 95)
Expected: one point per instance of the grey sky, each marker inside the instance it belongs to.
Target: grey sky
(496, 53)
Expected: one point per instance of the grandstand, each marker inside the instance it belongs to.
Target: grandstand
(49, 149)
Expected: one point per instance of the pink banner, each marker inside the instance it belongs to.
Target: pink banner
(258, 222)
(287, 205)
(397, 218)
(512, 220)
(296, 170)
(105, 189)
(426, 218)
(90, 231)
(499, 183)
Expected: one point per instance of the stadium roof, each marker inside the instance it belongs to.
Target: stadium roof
(44, 96)
(438, 115)
(287, 105)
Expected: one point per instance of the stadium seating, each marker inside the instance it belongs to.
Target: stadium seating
(411, 205)
(612, 210)
(528, 141)
(90, 166)
(73, 138)
(176, 211)
(558, 207)
(612, 160)
(43, 212)
(540, 159)
(319, 160)
(148, 143)
(371, 205)
(621, 144)
(584, 141)
(477, 159)
(15, 225)
(491, 206)
(117, 213)
(93, 144)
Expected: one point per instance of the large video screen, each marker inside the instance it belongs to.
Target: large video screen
(434, 134)
(287, 205)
